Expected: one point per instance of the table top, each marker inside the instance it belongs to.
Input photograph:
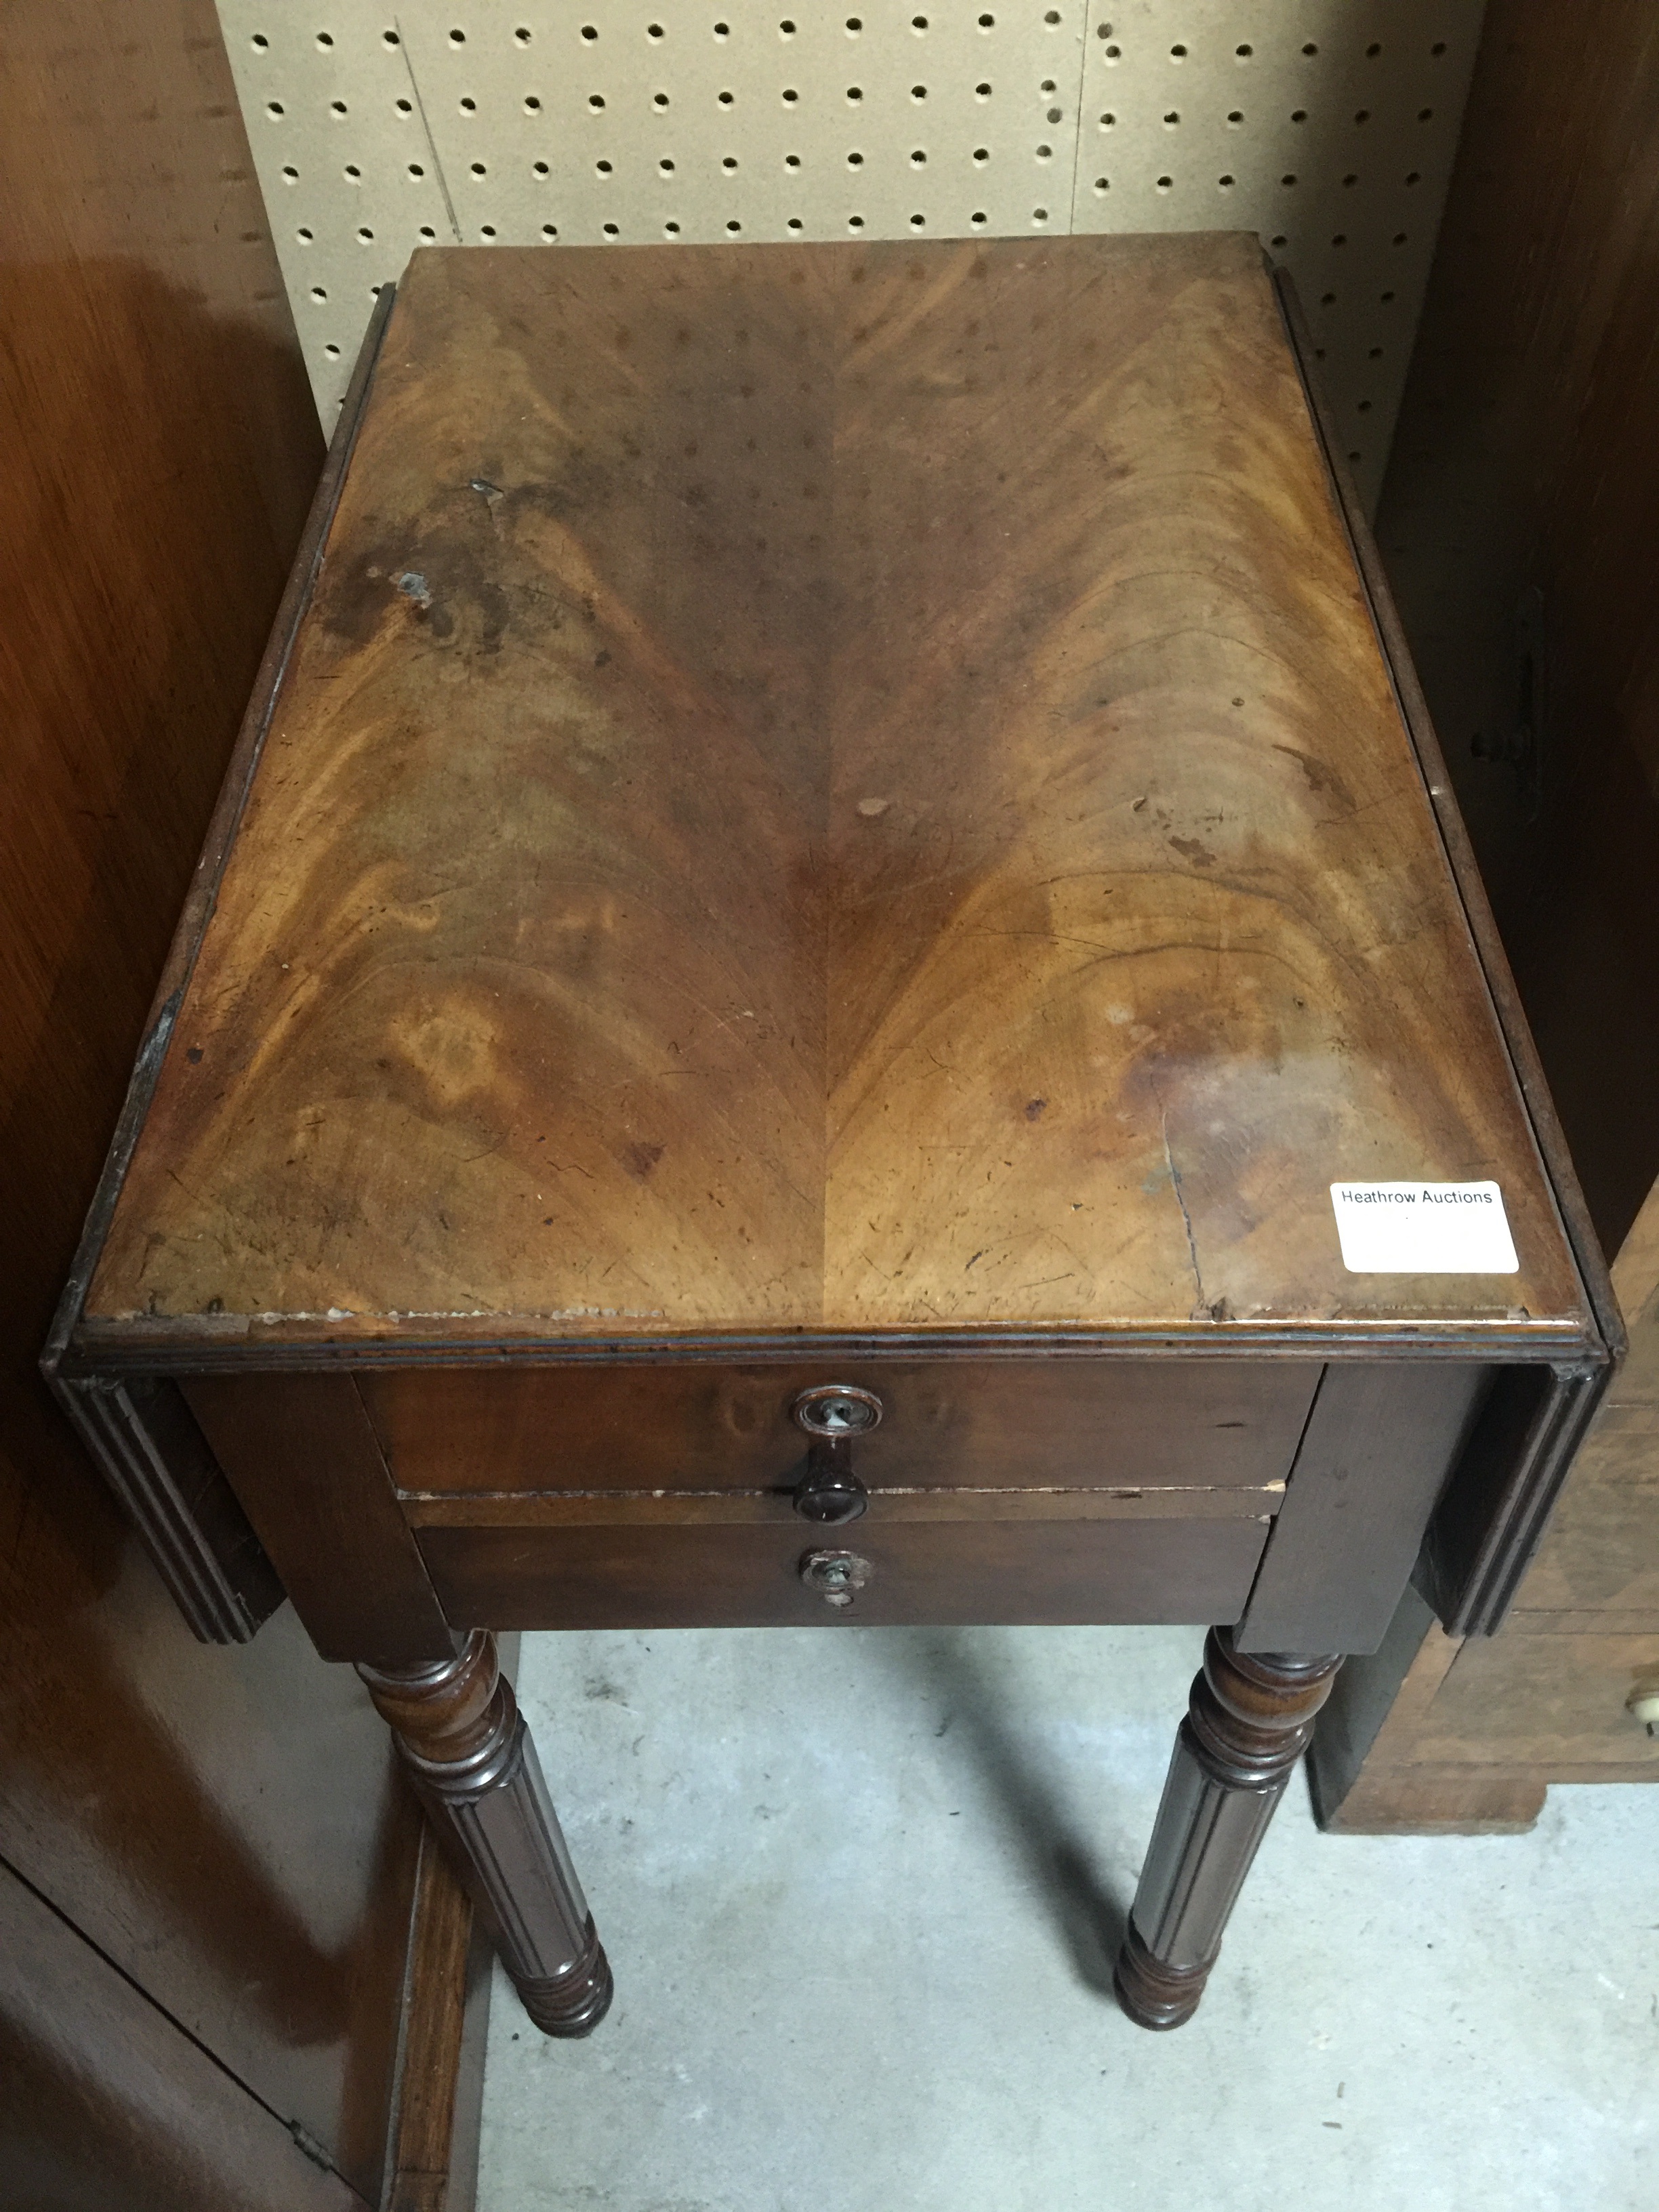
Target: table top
(835, 788)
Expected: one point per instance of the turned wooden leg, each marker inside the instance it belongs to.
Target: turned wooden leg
(1250, 1719)
(457, 1727)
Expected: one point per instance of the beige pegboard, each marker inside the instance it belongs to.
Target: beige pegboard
(1327, 126)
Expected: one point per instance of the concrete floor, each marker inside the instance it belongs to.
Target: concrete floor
(860, 1889)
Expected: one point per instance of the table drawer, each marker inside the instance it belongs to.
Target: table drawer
(1013, 1423)
(750, 1576)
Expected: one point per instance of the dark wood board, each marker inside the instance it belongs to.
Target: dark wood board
(105, 2101)
(1520, 525)
(968, 1571)
(305, 1464)
(1379, 1445)
(441, 2006)
(988, 1423)
(1524, 465)
(1434, 1734)
(221, 1826)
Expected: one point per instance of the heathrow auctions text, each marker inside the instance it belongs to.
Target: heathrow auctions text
(1425, 1194)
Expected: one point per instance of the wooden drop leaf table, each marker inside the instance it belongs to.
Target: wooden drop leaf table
(835, 854)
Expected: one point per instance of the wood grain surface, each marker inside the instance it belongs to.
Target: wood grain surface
(305, 1464)
(1375, 1456)
(219, 1857)
(1438, 1732)
(107, 2100)
(1524, 463)
(1009, 1423)
(847, 787)
(966, 1572)
(436, 1995)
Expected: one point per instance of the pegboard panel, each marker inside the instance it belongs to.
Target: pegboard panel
(616, 120)
(1327, 126)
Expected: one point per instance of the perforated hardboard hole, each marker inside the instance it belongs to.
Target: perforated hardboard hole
(1326, 126)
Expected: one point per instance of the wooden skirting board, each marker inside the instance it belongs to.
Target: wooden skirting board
(434, 2162)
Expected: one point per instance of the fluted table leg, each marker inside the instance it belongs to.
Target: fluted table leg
(458, 1728)
(1250, 1719)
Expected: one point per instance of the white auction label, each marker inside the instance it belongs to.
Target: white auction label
(1423, 1229)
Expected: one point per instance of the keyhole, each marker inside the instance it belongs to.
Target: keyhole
(835, 1575)
(837, 1409)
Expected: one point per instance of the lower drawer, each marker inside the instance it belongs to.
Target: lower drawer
(750, 1576)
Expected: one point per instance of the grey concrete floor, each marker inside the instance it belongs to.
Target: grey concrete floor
(860, 1889)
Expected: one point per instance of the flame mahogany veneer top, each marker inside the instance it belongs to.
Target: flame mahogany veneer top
(834, 788)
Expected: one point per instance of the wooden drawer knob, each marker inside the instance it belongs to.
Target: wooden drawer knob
(829, 1490)
(832, 1414)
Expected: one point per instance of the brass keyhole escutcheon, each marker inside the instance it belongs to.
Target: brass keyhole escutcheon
(837, 1577)
(836, 1409)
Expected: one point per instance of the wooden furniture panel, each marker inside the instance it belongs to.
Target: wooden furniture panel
(106, 2100)
(1438, 1735)
(1375, 1458)
(1457, 1737)
(1521, 524)
(892, 616)
(732, 1577)
(227, 1830)
(308, 1466)
(852, 815)
(1071, 1424)
(1569, 1693)
(208, 1856)
(1518, 523)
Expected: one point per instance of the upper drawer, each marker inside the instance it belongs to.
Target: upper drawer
(1064, 1422)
